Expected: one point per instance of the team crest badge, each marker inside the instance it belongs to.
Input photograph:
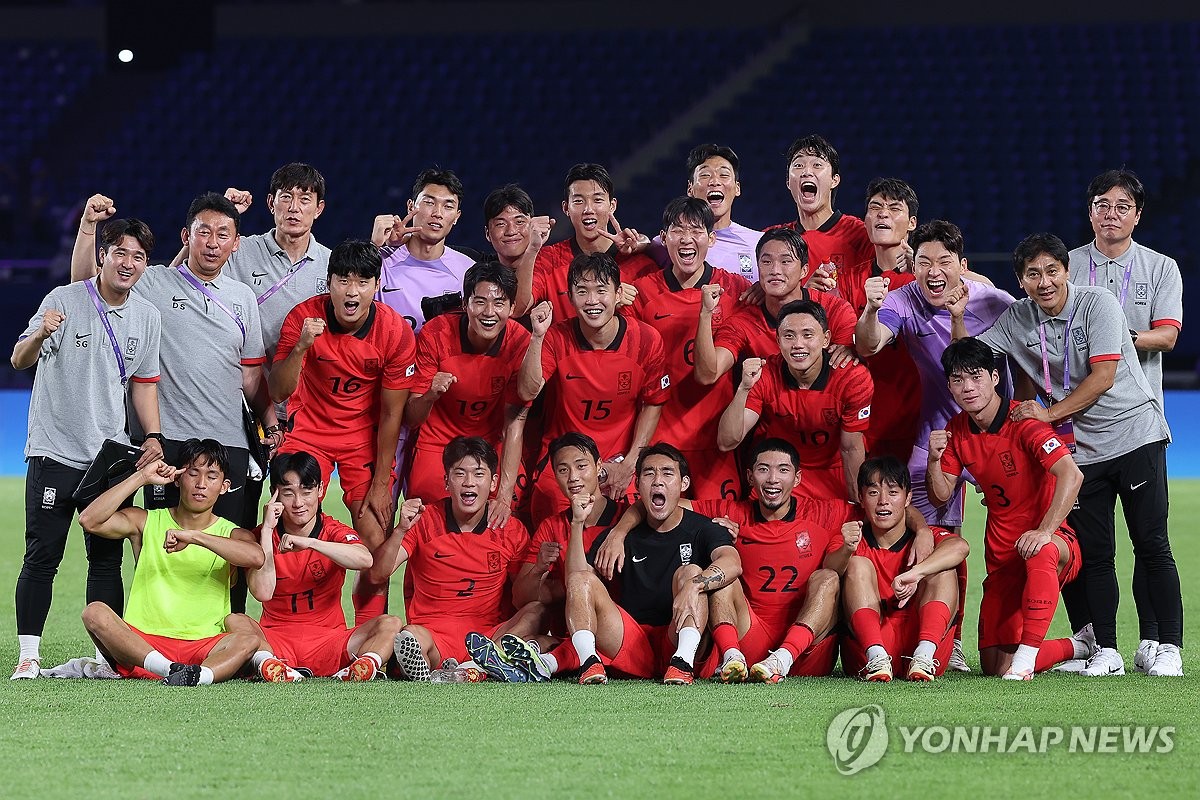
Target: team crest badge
(804, 542)
(1008, 464)
(624, 382)
(497, 384)
(131, 346)
(317, 569)
(830, 416)
(322, 286)
(1141, 292)
(49, 495)
(746, 264)
(159, 492)
(371, 365)
(238, 312)
(494, 561)
(1079, 337)
(685, 553)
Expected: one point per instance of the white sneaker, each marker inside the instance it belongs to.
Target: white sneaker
(1075, 665)
(27, 669)
(1143, 659)
(1086, 636)
(1168, 663)
(957, 661)
(1106, 661)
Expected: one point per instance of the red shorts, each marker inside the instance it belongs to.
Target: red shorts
(714, 475)
(1001, 612)
(180, 651)
(314, 647)
(765, 635)
(355, 462)
(901, 632)
(450, 634)
(645, 650)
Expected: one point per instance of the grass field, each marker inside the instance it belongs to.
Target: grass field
(136, 739)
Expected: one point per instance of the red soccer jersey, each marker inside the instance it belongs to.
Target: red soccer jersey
(486, 382)
(1011, 461)
(460, 573)
(842, 240)
(813, 419)
(337, 398)
(550, 274)
(308, 585)
(600, 391)
(750, 330)
(891, 561)
(557, 528)
(690, 416)
(779, 556)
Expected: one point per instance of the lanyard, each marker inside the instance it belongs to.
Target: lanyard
(1124, 282)
(1066, 359)
(279, 284)
(112, 337)
(204, 290)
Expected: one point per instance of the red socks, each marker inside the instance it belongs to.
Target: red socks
(725, 637)
(1053, 651)
(1041, 595)
(864, 623)
(934, 618)
(799, 638)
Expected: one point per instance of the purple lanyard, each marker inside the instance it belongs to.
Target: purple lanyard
(112, 337)
(279, 284)
(1124, 282)
(204, 290)
(1066, 360)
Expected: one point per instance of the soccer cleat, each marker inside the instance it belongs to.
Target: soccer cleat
(592, 672)
(1168, 663)
(679, 673)
(878, 669)
(1022, 675)
(410, 656)
(525, 656)
(1143, 659)
(922, 668)
(274, 670)
(360, 669)
(1071, 665)
(183, 675)
(485, 653)
(1104, 662)
(1086, 636)
(957, 661)
(769, 670)
(733, 668)
(28, 668)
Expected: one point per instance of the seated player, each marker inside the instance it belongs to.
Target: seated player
(466, 385)
(897, 609)
(802, 399)
(575, 460)
(346, 401)
(603, 373)
(307, 553)
(1030, 482)
(459, 566)
(674, 559)
(179, 598)
(669, 300)
(722, 342)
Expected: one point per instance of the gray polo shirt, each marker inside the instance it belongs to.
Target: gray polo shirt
(260, 263)
(1153, 296)
(1125, 417)
(78, 400)
(203, 352)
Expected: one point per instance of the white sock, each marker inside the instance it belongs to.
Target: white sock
(31, 647)
(785, 660)
(875, 651)
(1024, 658)
(206, 676)
(925, 648)
(157, 663)
(585, 645)
(375, 657)
(689, 641)
(258, 658)
(551, 662)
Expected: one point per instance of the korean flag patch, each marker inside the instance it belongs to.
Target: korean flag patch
(864, 412)
(1051, 445)
(665, 382)
(412, 370)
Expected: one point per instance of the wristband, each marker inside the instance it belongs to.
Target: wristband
(159, 436)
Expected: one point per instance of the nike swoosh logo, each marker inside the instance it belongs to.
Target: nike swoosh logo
(663, 316)
(258, 274)
(323, 358)
(637, 560)
(441, 555)
(1137, 486)
(175, 299)
(571, 377)
(387, 289)
(923, 334)
(747, 541)
(79, 336)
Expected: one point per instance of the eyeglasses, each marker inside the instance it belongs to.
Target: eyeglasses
(1103, 207)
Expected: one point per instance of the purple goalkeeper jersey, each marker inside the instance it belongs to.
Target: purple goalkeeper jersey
(406, 280)
(733, 251)
(926, 331)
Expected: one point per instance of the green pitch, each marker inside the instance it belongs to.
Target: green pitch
(320, 739)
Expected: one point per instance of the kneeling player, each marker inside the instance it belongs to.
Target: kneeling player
(894, 611)
(674, 559)
(1030, 483)
(179, 599)
(307, 553)
(459, 567)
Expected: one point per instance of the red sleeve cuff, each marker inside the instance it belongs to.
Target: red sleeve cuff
(1109, 357)
(136, 379)
(1159, 323)
(254, 362)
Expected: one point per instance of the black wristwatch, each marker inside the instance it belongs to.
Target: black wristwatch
(159, 436)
